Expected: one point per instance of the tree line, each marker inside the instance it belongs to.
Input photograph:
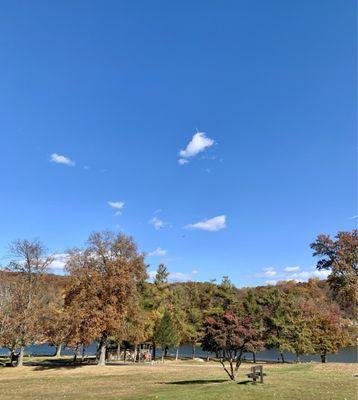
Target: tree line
(106, 298)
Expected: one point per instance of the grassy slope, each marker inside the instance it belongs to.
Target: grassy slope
(177, 381)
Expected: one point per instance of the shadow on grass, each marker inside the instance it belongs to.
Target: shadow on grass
(54, 364)
(195, 382)
(244, 382)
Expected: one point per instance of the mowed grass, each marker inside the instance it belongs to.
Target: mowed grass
(177, 380)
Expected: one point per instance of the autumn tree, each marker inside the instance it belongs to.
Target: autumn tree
(231, 336)
(8, 326)
(253, 311)
(55, 326)
(28, 263)
(340, 257)
(106, 280)
(328, 335)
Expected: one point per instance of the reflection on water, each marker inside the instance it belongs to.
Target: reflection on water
(346, 355)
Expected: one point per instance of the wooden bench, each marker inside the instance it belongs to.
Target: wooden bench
(256, 373)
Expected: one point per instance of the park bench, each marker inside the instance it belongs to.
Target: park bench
(256, 373)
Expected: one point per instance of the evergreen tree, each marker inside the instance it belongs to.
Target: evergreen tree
(166, 334)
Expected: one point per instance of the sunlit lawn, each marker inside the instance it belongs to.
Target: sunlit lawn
(177, 380)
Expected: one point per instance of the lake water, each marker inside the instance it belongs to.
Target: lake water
(346, 355)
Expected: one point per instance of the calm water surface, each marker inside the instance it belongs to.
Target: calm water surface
(346, 355)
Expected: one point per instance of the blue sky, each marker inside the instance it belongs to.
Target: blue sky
(97, 99)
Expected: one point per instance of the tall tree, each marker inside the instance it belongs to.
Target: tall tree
(298, 333)
(253, 311)
(278, 319)
(328, 334)
(166, 334)
(231, 336)
(55, 326)
(340, 257)
(107, 277)
(29, 263)
(156, 301)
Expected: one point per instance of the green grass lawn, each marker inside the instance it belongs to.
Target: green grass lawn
(177, 380)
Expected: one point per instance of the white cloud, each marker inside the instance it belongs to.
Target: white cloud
(158, 223)
(158, 252)
(292, 269)
(59, 262)
(60, 159)
(199, 142)
(211, 225)
(269, 271)
(305, 275)
(117, 205)
(291, 273)
(182, 277)
(271, 282)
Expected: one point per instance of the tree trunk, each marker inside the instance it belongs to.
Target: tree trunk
(75, 355)
(162, 355)
(193, 350)
(323, 357)
(12, 357)
(166, 351)
(20, 360)
(177, 354)
(153, 352)
(231, 372)
(282, 357)
(254, 357)
(135, 354)
(83, 353)
(58, 351)
(102, 354)
(118, 351)
(297, 357)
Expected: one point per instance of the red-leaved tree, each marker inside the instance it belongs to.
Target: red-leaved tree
(231, 336)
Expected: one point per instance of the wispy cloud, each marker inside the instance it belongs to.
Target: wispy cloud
(158, 252)
(61, 159)
(198, 143)
(291, 273)
(158, 223)
(212, 224)
(182, 161)
(267, 272)
(117, 205)
(292, 269)
(182, 277)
